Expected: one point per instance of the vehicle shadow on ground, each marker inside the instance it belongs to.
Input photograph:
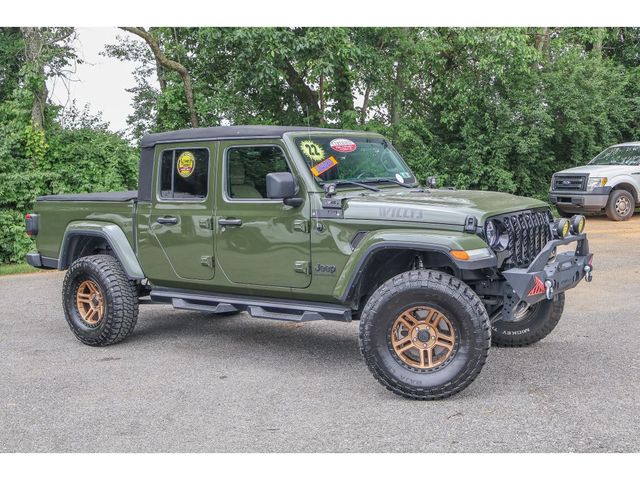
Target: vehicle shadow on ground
(210, 332)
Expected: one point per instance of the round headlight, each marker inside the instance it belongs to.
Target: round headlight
(491, 233)
(561, 227)
(577, 224)
(495, 235)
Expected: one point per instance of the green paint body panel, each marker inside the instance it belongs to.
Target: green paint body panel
(55, 217)
(278, 251)
(174, 253)
(115, 237)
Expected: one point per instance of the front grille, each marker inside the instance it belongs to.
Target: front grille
(528, 232)
(569, 183)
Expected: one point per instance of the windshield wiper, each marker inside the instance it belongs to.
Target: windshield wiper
(357, 184)
(393, 180)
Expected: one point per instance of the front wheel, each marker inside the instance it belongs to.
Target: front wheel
(530, 324)
(620, 205)
(425, 335)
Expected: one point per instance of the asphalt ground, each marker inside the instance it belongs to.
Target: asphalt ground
(191, 382)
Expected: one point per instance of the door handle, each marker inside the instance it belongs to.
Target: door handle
(167, 220)
(230, 222)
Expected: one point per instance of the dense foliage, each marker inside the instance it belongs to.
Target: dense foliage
(489, 108)
(73, 152)
(481, 108)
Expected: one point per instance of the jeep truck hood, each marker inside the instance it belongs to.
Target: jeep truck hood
(449, 207)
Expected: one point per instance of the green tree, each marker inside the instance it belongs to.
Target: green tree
(45, 150)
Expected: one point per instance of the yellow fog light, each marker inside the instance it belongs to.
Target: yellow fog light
(561, 227)
(577, 224)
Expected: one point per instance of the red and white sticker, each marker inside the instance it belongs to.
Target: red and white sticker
(343, 145)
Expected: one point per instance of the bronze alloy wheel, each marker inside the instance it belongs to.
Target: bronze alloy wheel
(90, 302)
(422, 337)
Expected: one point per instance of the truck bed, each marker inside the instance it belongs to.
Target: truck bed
(56, 212)
(91, 197)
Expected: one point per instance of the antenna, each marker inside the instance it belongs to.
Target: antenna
(308, 123)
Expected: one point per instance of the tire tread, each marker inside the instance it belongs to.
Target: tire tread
(429, 279)
(123, 312)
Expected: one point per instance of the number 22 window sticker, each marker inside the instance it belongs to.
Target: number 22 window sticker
(312, 150)
(323, 166)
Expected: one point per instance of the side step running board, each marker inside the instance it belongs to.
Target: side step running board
(257, 307)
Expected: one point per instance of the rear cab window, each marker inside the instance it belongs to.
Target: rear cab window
(184, 174)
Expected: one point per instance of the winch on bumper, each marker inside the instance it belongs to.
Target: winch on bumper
(547, 275)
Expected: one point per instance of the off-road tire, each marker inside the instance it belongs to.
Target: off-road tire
(536, 324)
(611, 210)
(120, 299)
(457, 302)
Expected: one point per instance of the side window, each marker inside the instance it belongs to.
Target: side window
(184, 173)
(247, 168)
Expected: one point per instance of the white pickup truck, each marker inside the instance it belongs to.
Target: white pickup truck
(609, 182)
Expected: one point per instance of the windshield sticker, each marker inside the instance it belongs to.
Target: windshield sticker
(343, 145)
(323, 166)
(405, 174)
(312, 150)
(399, 178)
(185, 165)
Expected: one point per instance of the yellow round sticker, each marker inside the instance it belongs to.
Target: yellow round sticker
(312, 150)
(186, 163)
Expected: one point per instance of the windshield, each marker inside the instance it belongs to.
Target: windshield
(618, 156)
(344, 158)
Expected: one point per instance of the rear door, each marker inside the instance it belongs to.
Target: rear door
(181, 216)
(260, 241)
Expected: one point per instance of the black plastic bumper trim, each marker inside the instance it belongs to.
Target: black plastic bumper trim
(36, 260)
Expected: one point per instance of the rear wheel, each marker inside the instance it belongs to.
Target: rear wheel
(531, 323)
(424, 335)
(100, 302)
(620, 205)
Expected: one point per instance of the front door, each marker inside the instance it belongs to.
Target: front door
(181, 217)
(260, 241)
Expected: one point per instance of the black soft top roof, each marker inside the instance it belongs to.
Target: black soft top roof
(217, 133)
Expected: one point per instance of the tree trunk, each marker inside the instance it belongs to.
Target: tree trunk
(169, 64)
(365, 104)
(597, 44)
(306, 96)
(542, 38)
(396, 103)
(321, 95)
(34, 44)
(161, 80)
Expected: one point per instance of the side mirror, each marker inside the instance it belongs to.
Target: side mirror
(282, 185)
(432, 182)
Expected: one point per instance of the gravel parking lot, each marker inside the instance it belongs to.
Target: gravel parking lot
(192, 382)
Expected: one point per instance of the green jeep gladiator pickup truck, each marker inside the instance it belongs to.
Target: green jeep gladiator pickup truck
(300, 224)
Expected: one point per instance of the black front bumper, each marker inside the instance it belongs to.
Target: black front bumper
(545, 277)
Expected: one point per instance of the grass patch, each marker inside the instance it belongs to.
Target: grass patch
(13, 268)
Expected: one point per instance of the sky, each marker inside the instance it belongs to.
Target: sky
(99, 81)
